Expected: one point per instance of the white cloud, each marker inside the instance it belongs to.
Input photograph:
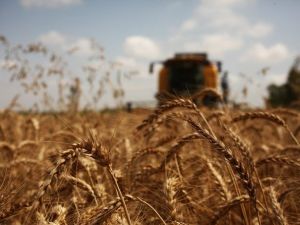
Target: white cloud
(216, 44)
(219, 43)
(53, 38)
(76, 46)
(188, 25)
(260, 30)
(218, 26)
(261, 53)
(220, 14)
(141, 47)
(49, 3)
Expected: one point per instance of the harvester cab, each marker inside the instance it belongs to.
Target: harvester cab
(185, 75)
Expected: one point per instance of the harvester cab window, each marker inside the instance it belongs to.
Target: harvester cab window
(185, 77)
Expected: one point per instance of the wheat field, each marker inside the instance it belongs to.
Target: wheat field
(177, 164)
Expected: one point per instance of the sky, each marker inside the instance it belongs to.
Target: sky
(246, 35)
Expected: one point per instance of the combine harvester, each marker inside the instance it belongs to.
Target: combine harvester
(186, 75)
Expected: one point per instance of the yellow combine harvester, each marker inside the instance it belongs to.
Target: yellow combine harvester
(186, 74)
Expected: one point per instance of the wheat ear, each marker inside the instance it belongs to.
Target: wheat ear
(265, 116)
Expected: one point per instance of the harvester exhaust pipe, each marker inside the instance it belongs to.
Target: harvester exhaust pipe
(151, 66)
(219, 65)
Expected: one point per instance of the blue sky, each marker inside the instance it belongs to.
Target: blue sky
(246, 35)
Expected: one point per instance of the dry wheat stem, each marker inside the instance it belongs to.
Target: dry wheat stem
(148, 205)
(119, 194)
(223, 210)
(277, 208)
